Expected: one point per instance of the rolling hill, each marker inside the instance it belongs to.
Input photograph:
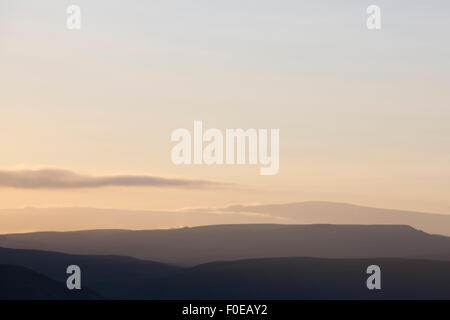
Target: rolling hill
(193, 246)
(312, 212)
(260, 279)
(320, 212)
(110, 276)
(308, 278)
(19, 283)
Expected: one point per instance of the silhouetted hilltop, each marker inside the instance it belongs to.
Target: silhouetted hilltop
(111, 276)
(192, 246)
(311, 212)
(309, 278)
(314, 212)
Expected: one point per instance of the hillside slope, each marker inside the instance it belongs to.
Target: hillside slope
(193, 246)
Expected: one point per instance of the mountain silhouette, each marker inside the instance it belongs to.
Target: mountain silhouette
(311, 212)
(269, 278)
(111, 276)
(19, 283)
(320, 212)
(308, 278)
(193, 246)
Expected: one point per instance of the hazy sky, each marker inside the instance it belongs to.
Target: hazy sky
(363, 115)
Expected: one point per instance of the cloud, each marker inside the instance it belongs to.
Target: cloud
(52, 178)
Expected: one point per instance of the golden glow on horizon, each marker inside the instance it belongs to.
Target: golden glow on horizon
(363, 118)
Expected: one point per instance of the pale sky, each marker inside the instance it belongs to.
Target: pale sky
(363, 115)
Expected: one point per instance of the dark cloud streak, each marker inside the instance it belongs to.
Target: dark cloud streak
(64, 179)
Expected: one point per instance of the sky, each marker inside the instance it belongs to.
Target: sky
(363, 115)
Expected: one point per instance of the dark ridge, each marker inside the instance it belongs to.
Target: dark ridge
(19, 283)
(193, 246)
(110, 276)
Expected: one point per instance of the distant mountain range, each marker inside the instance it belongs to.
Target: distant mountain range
(69, 219)
(316, 212)
(270, 278)
(249, 261)
(263, 260)
(193, 246)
